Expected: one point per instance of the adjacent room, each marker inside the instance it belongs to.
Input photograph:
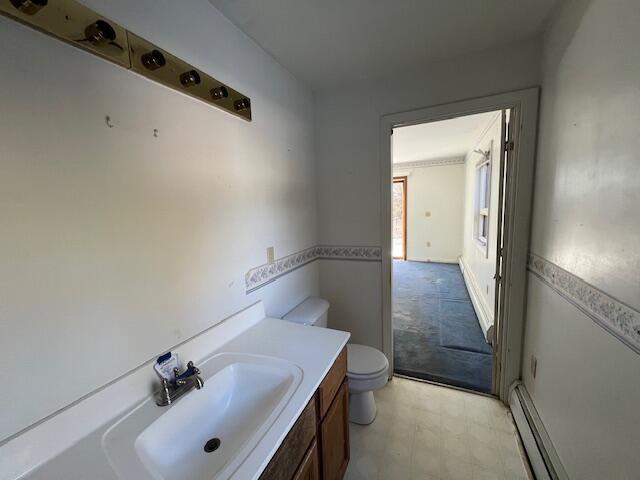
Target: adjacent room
(320, 240)
(446, 194)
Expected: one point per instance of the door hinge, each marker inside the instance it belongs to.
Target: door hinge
(509, 145)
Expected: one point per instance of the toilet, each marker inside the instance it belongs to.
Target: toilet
(367, 367)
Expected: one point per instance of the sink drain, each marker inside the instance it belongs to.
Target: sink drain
(212, 445)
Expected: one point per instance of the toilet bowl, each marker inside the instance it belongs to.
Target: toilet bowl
(367, 367)
(367, 371)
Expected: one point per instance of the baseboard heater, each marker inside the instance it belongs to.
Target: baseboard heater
(543, 458)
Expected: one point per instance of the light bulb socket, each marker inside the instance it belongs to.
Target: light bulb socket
(100, 32)
(29, 7)
(190, 78)
(219, 93)
(242, 104)
(153, 60)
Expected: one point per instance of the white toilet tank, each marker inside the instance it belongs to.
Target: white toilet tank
(312, 311)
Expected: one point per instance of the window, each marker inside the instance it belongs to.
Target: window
(399, 217)
(483, 191)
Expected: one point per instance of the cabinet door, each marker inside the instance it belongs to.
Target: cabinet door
(309, 469)
(294, 448)
(332, 382)
(334, 433)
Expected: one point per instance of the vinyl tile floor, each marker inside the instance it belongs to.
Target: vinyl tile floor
(428, 432)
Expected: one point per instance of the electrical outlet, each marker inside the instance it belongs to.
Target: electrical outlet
(427, 213)
(534, 366)
(271, 256)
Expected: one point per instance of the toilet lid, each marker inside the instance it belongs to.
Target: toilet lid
(364, 360)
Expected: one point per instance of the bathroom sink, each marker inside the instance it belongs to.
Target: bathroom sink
(208, 433)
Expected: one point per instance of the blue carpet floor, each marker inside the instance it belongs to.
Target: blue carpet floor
(436, 335)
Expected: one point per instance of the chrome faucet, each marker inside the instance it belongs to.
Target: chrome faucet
(192, 380)
(182, 383)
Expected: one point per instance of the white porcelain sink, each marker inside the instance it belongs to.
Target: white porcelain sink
(241, 398)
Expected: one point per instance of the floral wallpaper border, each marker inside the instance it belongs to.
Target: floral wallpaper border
(617, 318)
(328, 252)
(260, 276)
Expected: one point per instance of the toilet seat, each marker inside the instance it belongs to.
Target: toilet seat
(367, 368)
(364, 362)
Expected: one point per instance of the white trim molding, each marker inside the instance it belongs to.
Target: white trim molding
(542, 455)
(616, 317)
(260, 276)
(434, 162)
(483, 312)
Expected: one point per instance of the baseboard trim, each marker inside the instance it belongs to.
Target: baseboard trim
(543, 458)
(485, 318)
(432, 260)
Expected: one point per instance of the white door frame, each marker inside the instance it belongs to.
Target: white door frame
(517, 216)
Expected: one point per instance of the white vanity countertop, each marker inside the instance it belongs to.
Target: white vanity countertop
(312, 349)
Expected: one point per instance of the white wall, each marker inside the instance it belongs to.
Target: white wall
(438, 190)
(480, 263)
(587, 195)
(117, 245)
(348, 160)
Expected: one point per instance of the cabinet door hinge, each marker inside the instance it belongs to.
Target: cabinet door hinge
(509, 145)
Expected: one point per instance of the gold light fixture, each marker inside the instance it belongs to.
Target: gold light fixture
(77, 25)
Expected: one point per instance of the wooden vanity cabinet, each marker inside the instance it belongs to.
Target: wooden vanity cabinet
(317, 447)
(334, 436)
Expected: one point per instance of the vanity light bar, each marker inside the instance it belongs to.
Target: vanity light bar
(80, 26)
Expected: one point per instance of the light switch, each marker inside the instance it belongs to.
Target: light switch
(428, 244)
(427, 213)
(271, 257)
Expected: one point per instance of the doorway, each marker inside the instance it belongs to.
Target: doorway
(399, 218)
(444, 283)
(510, 273)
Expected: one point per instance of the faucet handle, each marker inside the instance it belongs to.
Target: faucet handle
(192, 368)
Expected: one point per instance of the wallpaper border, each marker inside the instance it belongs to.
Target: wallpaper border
(260, 276)
(616, 317)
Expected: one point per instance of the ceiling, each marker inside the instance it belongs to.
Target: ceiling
(439, 140)
(329, 42)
